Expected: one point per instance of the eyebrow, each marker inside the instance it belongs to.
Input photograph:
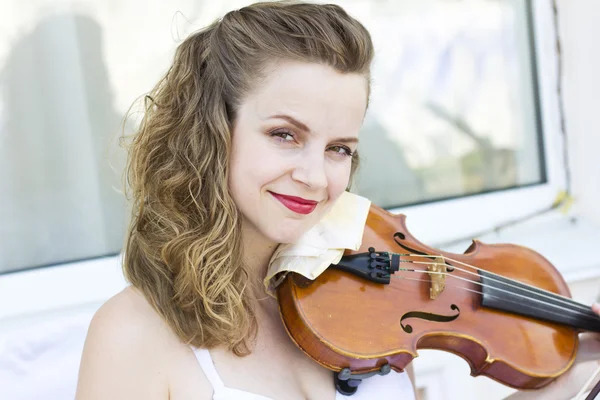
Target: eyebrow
(306, 129)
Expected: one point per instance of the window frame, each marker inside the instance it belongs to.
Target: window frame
(433, 222)
(441, 221)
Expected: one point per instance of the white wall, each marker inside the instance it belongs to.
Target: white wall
(580, 30)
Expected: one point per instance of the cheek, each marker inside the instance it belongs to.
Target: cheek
(338, 179)
(259, 169)
(253, 166)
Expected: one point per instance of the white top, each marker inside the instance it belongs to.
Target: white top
(394, 385)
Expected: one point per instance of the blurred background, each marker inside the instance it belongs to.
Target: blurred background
(482, 124)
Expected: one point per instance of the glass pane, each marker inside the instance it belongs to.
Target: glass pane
(68, 74)
(453, 111)
(61, 198)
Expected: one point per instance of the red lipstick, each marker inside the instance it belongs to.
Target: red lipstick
(296, 204)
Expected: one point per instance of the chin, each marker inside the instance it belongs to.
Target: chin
(290, 235)
(285, 238)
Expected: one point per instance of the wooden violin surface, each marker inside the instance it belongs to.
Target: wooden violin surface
(342, 320)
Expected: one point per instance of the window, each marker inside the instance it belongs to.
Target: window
(453, 110)
(61, 194)
(461, 132)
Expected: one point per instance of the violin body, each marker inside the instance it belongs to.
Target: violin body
(342, 320)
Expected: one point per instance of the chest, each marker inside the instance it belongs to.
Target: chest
(276, 369)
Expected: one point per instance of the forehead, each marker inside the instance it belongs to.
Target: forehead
(324, 99)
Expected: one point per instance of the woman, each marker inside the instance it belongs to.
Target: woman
(247, 142)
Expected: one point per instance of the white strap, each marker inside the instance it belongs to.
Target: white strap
(207, 365)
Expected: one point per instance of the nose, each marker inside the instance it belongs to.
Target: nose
(310, 170)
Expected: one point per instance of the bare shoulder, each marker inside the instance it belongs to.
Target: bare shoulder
(124, 351)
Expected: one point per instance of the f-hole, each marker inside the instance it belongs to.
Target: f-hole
(398, 236)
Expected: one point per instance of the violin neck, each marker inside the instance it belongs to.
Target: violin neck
(518, 298)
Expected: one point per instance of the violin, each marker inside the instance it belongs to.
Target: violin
(503, 308)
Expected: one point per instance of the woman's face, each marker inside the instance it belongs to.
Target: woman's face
(292, 144)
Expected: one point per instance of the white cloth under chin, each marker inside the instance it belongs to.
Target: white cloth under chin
(324, 244)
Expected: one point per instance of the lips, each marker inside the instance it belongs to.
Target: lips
(296, 204)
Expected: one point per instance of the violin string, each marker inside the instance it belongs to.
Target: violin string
(536, 291)
(477, 292)
(534, 288)
(530, 288)
(587, 315)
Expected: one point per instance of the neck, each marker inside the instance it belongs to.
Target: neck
(257, 252)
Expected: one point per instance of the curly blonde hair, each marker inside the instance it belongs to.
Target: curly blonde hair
(183, 248)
